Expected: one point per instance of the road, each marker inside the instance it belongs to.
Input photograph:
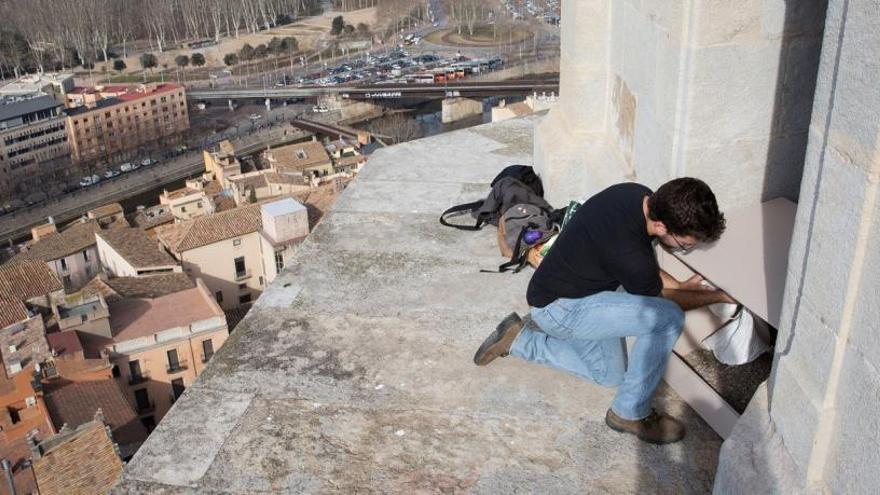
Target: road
(18, 224)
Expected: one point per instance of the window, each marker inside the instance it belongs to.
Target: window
(219, 296)
(177, 387)
(236, 242)
(207, 350)
(279, 261)
(149, 423)
(66, 280)
(63, 263)
(134, 368)
(86, 255)
(242, 286)
(199, 204)
(261, 280)
(183, 209)
(244, 298)
(115, 371)
(173, 361)
(240, 270)
(142, 400)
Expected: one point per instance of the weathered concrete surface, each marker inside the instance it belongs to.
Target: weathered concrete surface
(356, 369)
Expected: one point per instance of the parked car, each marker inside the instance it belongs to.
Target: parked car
(320, 109)
(255, 116)
(146, 162)
(126, 167)
(85, 182)
(111, 174)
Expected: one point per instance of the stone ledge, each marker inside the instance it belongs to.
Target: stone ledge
(353, 372)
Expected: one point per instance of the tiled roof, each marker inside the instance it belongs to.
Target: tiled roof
(243, 181)
(300, 156)
(136, 248)
(63, 343)
(23, 279)
(106, 210)
(209, 229)
(150, 287)
(276, 178)
(75, 238)
(151, 217)
(78, 462)
(236, 314)
(12, 312)
(75, 403)
(134, 318)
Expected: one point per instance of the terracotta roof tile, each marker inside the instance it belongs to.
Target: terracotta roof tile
(136, 248)
(209, 229)
(23, 279)
(300, 156)
(75, 403)
(78, 462)
(75, 238)
(106, 210)
(150, 287)
(12, 312)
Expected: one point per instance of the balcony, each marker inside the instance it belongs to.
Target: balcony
(176, 367)
(139, 378)
(243, 275)
(392, 357)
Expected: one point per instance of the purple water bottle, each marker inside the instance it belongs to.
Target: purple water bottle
(532, 236)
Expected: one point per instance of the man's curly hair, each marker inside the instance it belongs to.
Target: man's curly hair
(687, 206)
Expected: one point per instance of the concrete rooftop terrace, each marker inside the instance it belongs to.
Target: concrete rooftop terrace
(353, 371)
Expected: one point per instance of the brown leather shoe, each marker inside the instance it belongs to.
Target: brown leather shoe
(498, 343)
(657, 428)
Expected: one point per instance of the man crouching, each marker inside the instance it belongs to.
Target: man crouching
(581, 317)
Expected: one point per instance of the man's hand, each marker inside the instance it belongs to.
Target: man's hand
(694, 283)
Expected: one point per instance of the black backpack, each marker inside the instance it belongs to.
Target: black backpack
(516, 184)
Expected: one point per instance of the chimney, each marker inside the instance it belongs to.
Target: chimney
(34, 445)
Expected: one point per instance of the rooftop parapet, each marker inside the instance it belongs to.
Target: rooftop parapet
(353, 372)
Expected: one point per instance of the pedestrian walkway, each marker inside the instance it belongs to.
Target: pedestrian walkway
(353, 373)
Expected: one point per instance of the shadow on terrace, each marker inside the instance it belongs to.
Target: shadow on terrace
(353, 372)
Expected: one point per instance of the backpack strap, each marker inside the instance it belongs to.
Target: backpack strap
(462, 210)
(518, 260)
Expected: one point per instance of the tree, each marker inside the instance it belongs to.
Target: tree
(291, 43)
(363, 29)
(397, 127)
(119, 65)
(230, 59)
(149, 61)
(349, 29)
(337, 26)
(197, 59)
(261, 51)
(181, 61)
(276, 45)
(246, 52)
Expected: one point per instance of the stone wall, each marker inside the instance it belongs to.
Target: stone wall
(653, 90)
(825, 386)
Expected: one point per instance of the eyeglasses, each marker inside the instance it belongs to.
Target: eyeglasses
(681, 247)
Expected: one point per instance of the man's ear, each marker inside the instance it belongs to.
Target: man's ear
(659, 228)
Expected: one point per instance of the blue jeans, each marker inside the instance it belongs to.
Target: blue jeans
(586, 337)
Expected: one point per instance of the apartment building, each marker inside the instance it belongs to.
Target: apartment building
(308, 159)
(33, 137)
(109, 121)
(346, 158)
(108, 216)
(222, 164)
(238, 252)
(190, 201)
(163, 331)
(262, 184)
(71, 253)
(128, 252)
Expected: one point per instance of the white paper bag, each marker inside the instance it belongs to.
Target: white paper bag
(736, 342)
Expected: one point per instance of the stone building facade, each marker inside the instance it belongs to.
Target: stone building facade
(760, 100)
